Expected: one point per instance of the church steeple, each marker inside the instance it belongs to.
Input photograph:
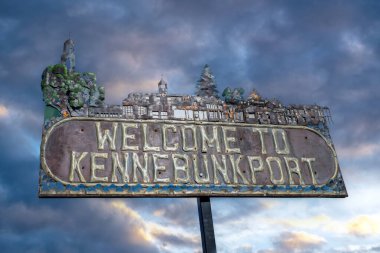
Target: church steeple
(162, 87)
(68, 56)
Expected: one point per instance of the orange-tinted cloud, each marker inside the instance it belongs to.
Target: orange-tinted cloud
(3, 111)
(363, 226)
(295, 241)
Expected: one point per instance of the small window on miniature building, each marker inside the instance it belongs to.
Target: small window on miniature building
(202, 115)
(155, 115)
(141, 110)
(213, 115)
(128, 110)
(179, 114)
(164, 115)
(189, 114)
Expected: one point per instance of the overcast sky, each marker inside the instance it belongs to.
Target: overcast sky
(301, 52)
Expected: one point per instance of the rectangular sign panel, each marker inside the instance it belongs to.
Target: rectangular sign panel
(84, 156)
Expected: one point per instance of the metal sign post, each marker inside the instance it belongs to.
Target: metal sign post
(206, 225)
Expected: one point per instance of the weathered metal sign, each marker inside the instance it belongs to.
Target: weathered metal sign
(161, 144)
(120, 157)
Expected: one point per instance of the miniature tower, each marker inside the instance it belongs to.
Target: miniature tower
(162, 87)
(68, 56)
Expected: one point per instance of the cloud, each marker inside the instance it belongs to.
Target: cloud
(140, 232)
(318, 221)
(21, 130)
(361, 150)
(24, 218)
(225, 210)
(153, 232)
(353, 248)
(3, 111)
(301, 52)
(244, 249)
(164, 236)
(3, 192)
(68, 226)
(364, 226)
(297, 242)
(178, 213)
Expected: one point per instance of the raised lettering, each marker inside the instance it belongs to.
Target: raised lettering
(159, 168)
(95, 167)
(285, 149)
(184, 139)
(127, 136)
(261, 132)
(117, 165)
(146, 144)
(253, 168)
(201, 177)
(308, 161)
(236, 169)
(184, 167)
(212, 142)
(102, 137)
(228, 139)
(75, 166)
(269, 161)
(165, 138)
(295, 169)
(221, 168)
(143, 169)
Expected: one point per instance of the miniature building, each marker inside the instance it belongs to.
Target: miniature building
(204, 106)
(256, 110)
(163, 87)
(68, 56)
(106, 112)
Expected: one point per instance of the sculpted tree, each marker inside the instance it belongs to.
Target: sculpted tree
(66, 93)
(206, 86)
(234, 96)
(254, 96)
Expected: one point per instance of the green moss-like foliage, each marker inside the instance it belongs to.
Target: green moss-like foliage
(233, 96)
(60, 69)
(51, 112)
(69, 92)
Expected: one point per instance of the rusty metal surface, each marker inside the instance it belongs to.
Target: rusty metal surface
(244, 160)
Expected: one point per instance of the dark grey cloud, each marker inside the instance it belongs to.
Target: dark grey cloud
(182, 212)
(29, 224)
(71, 226)
(234, 209)
(178, 240)
(324, 52)
(301, 52)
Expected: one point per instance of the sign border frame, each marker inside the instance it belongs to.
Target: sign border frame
(297, 190)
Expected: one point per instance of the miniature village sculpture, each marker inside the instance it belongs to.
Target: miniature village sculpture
(192, 143)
